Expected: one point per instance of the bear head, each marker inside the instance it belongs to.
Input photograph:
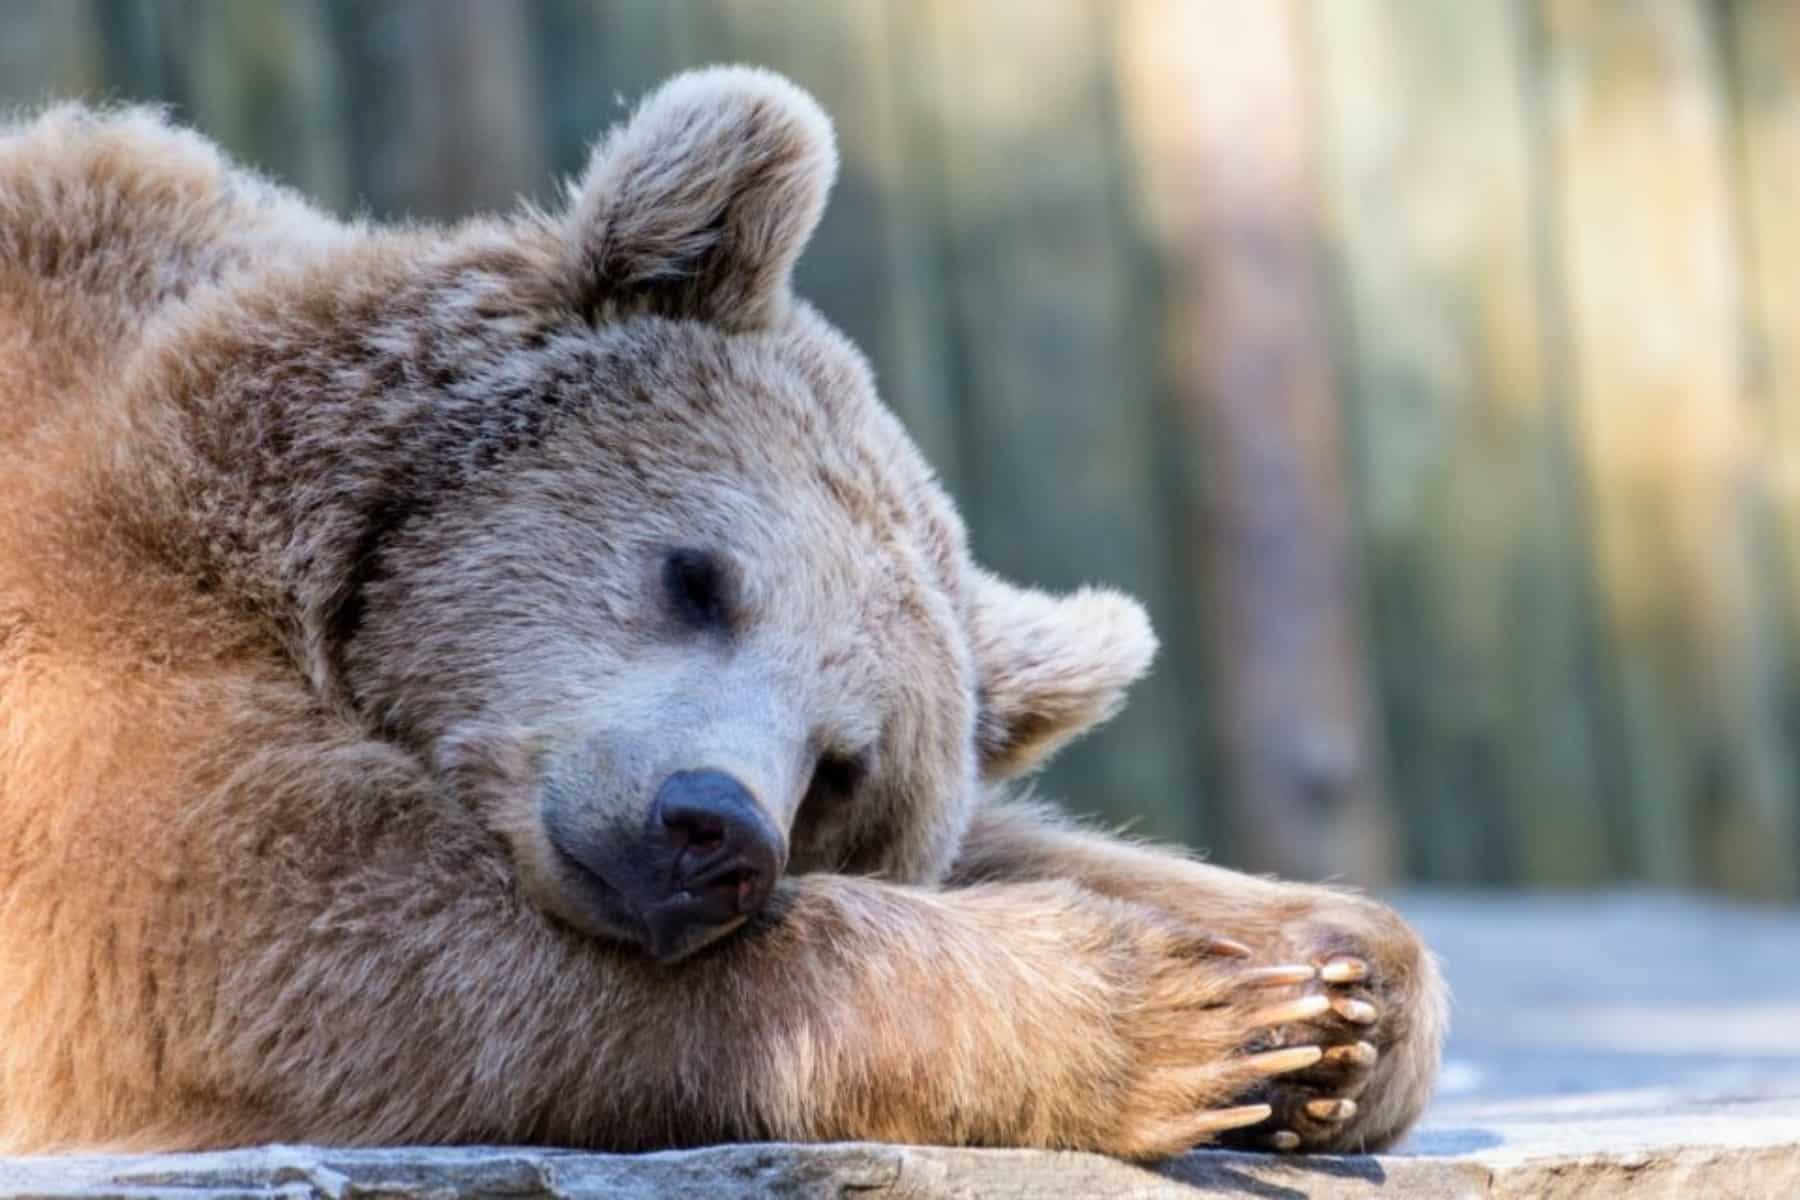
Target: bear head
(696, 613)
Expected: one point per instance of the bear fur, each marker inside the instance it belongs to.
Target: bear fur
(334, 588)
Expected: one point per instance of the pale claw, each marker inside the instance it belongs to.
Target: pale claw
(1220, 1119)
(1193, 1130)
(1303, 1009)
(1331, 1110)
(1280, 1062)
(1288, 973)
(1344, 970)
(1356, 1054)
(1268, 1063)
(1357, 1012)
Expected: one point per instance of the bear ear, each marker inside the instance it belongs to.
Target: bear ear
(1050, 667)
(699, 205)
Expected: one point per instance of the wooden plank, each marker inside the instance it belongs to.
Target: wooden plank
(1059, 432)
(1766, 57)
(1464, 474)
(442, 95)
(596, 61)
(264, 81)
(48, 52)
(872, 267)
(1217, 100)
(137, 64)
(1646, 229)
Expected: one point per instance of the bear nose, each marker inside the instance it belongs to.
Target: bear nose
(724, 856)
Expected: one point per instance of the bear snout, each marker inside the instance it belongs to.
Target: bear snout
(724, 856)
(707, 858)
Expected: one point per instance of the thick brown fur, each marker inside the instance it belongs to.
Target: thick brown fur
(327, 549)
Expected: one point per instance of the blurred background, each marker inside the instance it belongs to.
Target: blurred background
(1430, 368)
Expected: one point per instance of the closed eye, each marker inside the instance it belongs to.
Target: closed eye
(697, 584)
(837, 776)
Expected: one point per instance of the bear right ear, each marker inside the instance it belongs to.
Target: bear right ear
(1049, 668)
(699, 205)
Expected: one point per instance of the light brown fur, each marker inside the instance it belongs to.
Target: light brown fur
(326, 549)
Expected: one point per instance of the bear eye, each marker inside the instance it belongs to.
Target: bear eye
(837, 776)
(697, 586)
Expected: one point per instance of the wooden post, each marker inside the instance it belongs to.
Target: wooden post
(1466, 480)
(1064, 476)
(1216, 99)
(1766, 56)
(1647, 235)
(873, 266)
(443, 95)
(595, 62)
(47, 52)
(264, 79)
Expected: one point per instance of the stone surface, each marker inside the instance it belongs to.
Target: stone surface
(1605, 1046)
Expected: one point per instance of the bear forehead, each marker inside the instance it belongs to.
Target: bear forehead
(677, 409)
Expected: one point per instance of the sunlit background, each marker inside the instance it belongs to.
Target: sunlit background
(1431, 368)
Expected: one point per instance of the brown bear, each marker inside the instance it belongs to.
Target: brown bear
(516, 683)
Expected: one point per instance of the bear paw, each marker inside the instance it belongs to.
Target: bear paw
(1311, 1108)
(1216, 1033)
(1377, 1016)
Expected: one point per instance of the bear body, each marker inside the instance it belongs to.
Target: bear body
(516, 683)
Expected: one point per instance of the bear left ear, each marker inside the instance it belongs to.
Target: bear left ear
(1050, 667)
(699, 205)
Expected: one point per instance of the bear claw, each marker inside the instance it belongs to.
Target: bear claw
(1344, 970)
(1289, 1011)
(1356, 1054)
(1281, 976)
(1280, 1062)
(1343, 1067)
(1331, 1110)
(1219, 1119)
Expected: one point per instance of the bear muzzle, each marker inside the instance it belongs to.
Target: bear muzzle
(708, 858)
